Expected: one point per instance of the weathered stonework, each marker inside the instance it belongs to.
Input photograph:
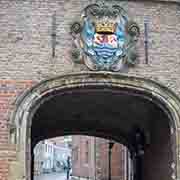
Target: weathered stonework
(27, 103)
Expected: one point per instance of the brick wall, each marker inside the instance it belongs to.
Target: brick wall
(83, 164)
(26, 49)
(98, 160)
(9, 91)
(117, 160)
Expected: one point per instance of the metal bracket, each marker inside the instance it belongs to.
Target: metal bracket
(53, 35)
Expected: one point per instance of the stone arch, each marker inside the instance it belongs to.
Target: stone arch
(28, 104)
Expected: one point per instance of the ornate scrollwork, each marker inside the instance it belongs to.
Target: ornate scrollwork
(76, 55)
(102, 11)
(105, 38)
(133, 29)
(76, 27)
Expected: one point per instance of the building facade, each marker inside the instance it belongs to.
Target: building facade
(51, 156)
(83, 157)
(90, 159)
(49, 85)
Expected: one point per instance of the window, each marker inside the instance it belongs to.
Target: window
(75, 154)
(46, 148)
(87, 152)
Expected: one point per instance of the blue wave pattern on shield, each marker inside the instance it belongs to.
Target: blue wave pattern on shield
(104, 49)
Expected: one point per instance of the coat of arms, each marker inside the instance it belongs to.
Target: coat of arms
(105, 38)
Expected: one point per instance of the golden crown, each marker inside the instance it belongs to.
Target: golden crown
(105, 27)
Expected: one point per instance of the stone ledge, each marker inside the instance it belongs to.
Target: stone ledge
(158, 1)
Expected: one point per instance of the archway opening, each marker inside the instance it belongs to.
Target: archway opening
(80, 157)
(122, 115)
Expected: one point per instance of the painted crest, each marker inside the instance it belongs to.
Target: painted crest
(104, 38)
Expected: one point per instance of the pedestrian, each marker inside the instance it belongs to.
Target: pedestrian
(68, 167)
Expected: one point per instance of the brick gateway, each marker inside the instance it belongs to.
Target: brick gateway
(148, 104)
(31, 54)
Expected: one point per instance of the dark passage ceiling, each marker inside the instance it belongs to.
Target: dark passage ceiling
(99, 112)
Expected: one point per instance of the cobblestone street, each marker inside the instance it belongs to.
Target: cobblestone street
(51, 176)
